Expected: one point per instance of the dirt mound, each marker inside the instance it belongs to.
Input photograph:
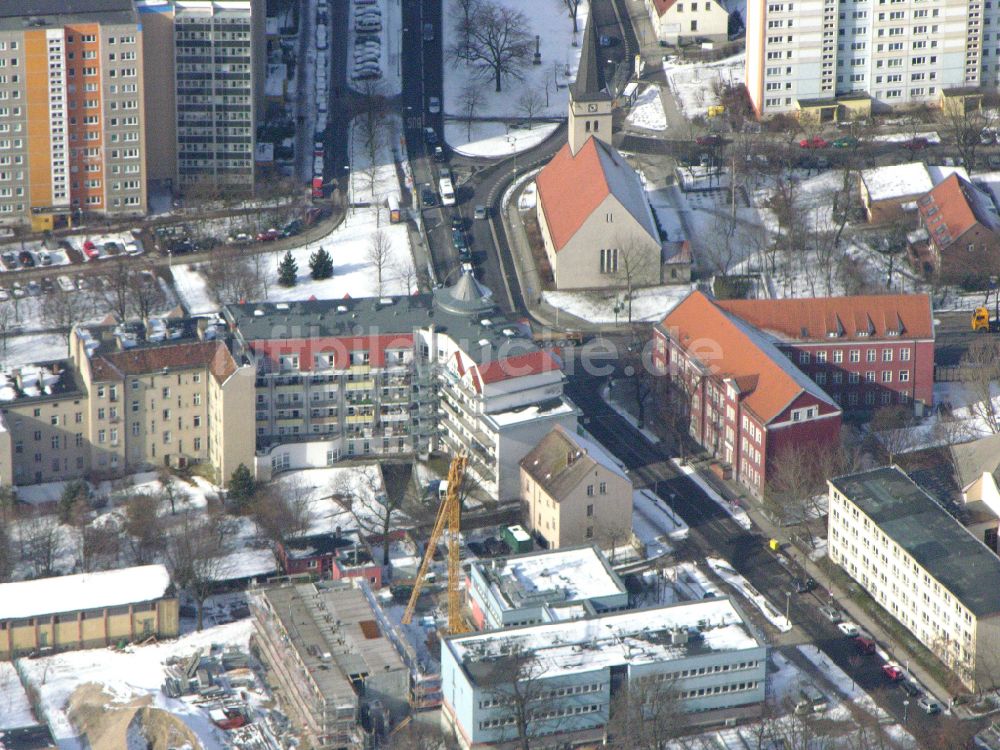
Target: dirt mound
(134, 725)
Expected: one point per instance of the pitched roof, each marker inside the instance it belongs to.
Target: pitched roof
(734, 349)
(497, 370)
(975, 458)
(903, 316)
(897, 181)
(212, 354)
(953, 207)
(571, 187)
(561, 460)
(589, 85)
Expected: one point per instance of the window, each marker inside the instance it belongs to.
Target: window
(886, 376)
(904, 376)
(197, 444)
(590, 532)
(887, 355)
(590, 490)
(870, 376)
(803, 358)
(602, 488)
(694, 24)
(855, 355)
(838, 356)
(870, 355)
(590, 508)
(904, 355)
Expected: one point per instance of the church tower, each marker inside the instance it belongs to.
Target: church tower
(589, 102)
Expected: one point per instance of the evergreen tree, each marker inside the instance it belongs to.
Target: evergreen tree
(321, 264)
(242, 487)
(287, 270)
(74, 501)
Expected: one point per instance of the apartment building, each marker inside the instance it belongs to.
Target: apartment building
(959, 232)
(398, 375)
(543, 586)
(704, 656)
(325, 649)
(827, 60)
(209, 56)
(925, 569)
(72, 123)
(574, 492)
(747, 401)
(130, 397)
(87, 610)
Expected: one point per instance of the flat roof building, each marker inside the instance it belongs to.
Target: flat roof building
(326, 650)
(542, 587)
(922, 566)
(702, 658)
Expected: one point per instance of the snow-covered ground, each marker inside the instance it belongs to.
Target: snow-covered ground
(31, 348)
(725, 571)
(388, 148)
(647, 112)
(930, 136)
(134, 672)
(191, 287)
(548, 81)
(15, 709)
(494, 138)
(649, 304)
(655, 523)
(694, 83)
(627, 416)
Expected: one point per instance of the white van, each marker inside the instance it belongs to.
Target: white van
(447, 192)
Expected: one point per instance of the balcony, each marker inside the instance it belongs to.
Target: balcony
(360, 385)
(361, 419)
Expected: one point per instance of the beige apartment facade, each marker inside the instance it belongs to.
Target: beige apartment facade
(681, 22)
(922, 566)
(573, 493)
(127, 400)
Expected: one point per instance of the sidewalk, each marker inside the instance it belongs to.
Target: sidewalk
(841, 598)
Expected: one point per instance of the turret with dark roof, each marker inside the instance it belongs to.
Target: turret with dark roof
(589, 85)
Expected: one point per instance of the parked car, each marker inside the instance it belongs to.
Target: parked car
(66, 283)
(916, 144)
(845, 141)
(4, 294)
(268, 235)
(24, 257)
(34, 288)
(849, 629)
(90, 250)
(928, 705)
(481, 212)
(987, 136)
(44, 258)
(865, 645)
(804, 585)
(458, 239)
(430, 136)
(893, 672)
(814, 142)
(428, 32)
(831, 613)
(708, 140)
(9, 259)
(433, 105)
(439, 154)
(17, 290)
(909, 688)
(427, 196)
(238, 238)
(457, 222)
(291, 228)
(111, 248)
(607, 41)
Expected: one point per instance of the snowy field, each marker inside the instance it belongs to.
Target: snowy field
(135, 672)
(595, 306)
(694, 83)
(647, 112)
(363, 188)
(494, 138)
(551, 22)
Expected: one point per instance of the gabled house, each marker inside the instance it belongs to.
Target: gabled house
(678, 22)
(595, 220)
(574, 492)
(959, 230)
(748, 402)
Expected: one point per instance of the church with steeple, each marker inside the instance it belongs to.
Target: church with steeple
(592, 209)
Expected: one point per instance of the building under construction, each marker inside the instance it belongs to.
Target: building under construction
(333, 670)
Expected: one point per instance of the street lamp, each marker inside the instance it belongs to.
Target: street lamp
(512, 140)
(906, 707)
(788, 604)
(347, 189)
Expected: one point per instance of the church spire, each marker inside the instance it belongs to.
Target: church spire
(589, 85)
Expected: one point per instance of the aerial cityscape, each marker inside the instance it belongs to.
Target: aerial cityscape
(495, 374)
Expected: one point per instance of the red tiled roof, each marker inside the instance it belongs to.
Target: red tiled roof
(662, 6)
(950, 210)
(768, 381)
(904, 316)
(211, 354)
(580, 178)
(532, 363)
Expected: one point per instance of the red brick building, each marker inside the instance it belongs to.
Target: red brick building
(329, 556)
(764, 375)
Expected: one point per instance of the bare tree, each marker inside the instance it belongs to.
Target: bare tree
(142, 527)
(62, 309)
(635, 266)
(530, 104)
(281, 511)
(573, 6)
(646, 714)
(981, 364)
(196, 550)
(469, 101)
(7, 556)
(232, 280)
(379, 255)
(964, 125)
(362, 492)
(40, 541)
(118, 280)
(893, 428)
(499, 44)
(101, 546)
(8, 314)
(406, 274)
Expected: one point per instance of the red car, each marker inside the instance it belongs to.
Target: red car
(708, 140)
(893, 672)
(816, 142)
(317, 187)
(864, 645)
(268, 236)
(90, 250)
(916, 144)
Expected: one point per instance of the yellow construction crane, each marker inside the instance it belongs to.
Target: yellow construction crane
(450, 513)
